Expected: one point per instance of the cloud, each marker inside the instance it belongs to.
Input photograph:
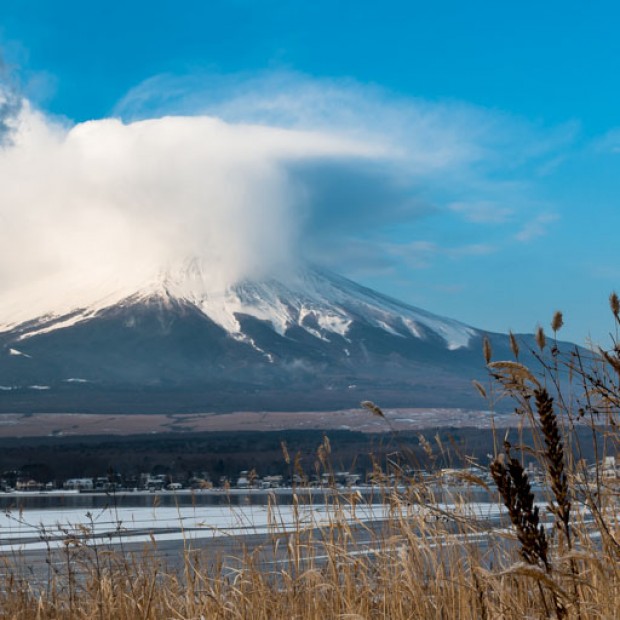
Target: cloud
(107, 201)
(429, 136)
(609, 142)
(10, 107)
(484, 212)
(536, 227)
(248, 174)
(420, 254)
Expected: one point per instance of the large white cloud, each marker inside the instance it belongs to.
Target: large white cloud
(244, 174)
(106, 205)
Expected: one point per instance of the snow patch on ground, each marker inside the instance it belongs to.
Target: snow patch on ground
(17, 353)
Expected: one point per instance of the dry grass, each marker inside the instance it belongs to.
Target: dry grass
(427, 560)
(424, 564)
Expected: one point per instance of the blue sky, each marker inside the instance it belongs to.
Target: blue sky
(502, 204)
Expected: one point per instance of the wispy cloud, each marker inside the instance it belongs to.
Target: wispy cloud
(484, 212)
(370, 258)
(536, 227)
(609, 142)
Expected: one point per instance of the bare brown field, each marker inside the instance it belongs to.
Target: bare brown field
(76, 424)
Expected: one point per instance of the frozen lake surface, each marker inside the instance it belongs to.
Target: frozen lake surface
(41, 529)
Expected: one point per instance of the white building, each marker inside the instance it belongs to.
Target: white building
(79, 484)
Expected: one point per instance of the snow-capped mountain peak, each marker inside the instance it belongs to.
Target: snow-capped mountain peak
(315, 300)
(183, 339)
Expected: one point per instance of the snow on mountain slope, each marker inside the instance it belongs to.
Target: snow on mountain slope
(319, 302)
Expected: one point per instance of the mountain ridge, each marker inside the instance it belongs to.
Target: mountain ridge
(312, 340)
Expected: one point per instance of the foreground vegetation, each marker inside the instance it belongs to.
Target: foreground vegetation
(555, 558)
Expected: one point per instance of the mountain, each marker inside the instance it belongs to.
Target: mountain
(307, 340)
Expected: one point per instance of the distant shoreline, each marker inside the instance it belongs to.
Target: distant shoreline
(358, 420)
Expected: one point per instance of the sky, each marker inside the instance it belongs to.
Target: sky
(462, 157)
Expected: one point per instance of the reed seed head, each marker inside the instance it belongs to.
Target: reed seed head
(426, 446)
(557, 321)
(514, 345)
(486, 349)
(480, 388)
(514, 488)
(612, 359)
(374, 409)
(285, 453)
(541, 339)
(614, 303)
(554, 456)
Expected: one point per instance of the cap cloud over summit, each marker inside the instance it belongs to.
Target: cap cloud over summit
(248, 174)
(105, 205)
